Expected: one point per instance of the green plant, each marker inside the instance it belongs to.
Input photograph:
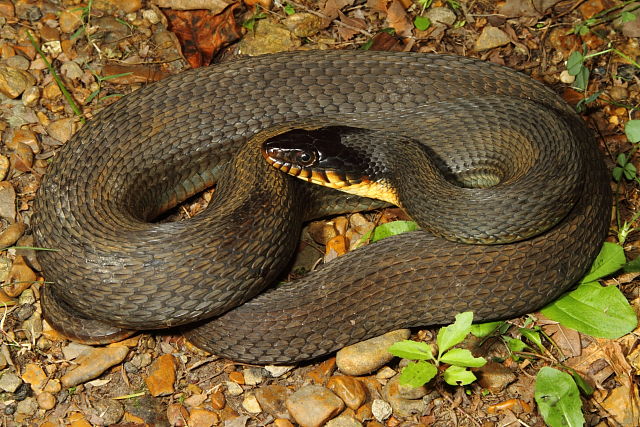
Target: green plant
(99, 80)
(558, 398)
(419, 373)
(250, 23)
(607, 15)
(289, 9)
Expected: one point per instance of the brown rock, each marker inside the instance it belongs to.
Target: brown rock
(35, 376)
(404, 400)
(49, 34)
(70, 20)
(127, 6)
(93, 364)
(7, 201)
(177, 415)
(11, 234)
(236, 377)
(25, 136)
(4, 167)
(13, 81)
(495, 376)
(217, 400)
(343, 420)
(7, 9)
(272, 399)
(62, 129)
(76, 419)
(314, 405)
(321, 373)
(349, 389)
(46, 400)
(491, 37)
(162, 376)
(304, 24)
(369, 355)
(21, 158)
(21, 277)
(281, 422)
(202, 418)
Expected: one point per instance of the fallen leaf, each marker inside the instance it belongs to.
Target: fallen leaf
(332, 7)
(356, 23)
(398, 20)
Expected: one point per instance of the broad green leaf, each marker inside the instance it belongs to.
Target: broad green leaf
(418, 374)
(558, 398)
(462, 357)
(533, 336)
(454, 333)
(629, 171)
(621, 159)
(457, 375)
(627, 17)
(413, 350)
(516, 344)
(632, 130)
(617, 173)
(582, 79)
(610, 259)
(482, 330)
(289, 10)
(422, 23)
(390, 229)
(599, 311)
(575, 63)
(584, 386)
(632, 266)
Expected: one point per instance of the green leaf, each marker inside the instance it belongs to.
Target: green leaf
(482, 330)
(532, 336)
(413, 350)
(389, 229)
(515, 344)
(558, 398)
(627, 17)
(289, 10)
(617, 173)
(417, 374)
(582, 79)
(462, 357)
(454, 333)
(584, 386)
(610, 259)
(422, 23)
(622, 159)
(632, 130)
(575, 63)
(599, 311)
(632, 266)
(457, 375)
(629, 171)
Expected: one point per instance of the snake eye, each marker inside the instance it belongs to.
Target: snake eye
(305, 158)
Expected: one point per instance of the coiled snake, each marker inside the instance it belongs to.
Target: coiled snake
(169, 140)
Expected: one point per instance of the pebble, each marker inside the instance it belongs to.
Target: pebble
(202, 418)
(304, 24)
(385, 373)
(74, 350)
(106, 412)
(381, 410)
(343, 421)
(233, 389)
(7, 9)
(35, 376)
(441, 16)
(619, 93)
(404, 400)
(217, 400)
(491, 37)
(28, 406)
(236, 377)
(71, 70)
(278, 371)
(127, 6)
(272, 399)
(368, 356)
(21, 277)
(250, 404)
(70, 20)
(314, 405)
(253, 376)
(27, 297)
(267, 37)
(495, 376)
(30, 96)
(21, 158)
(46, 400)
(177, 415)
(11, 234)
(195, 400)
(4, 166)
(93, 364)
(350, 390)
(151, 16)
(162, 376)
(282, 422)
(14, 81)
(10, 382)
(7, 201)
(25, 136)
(62, 129)
(18, 62)
(321, 373)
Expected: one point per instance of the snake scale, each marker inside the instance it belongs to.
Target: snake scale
(115, 268)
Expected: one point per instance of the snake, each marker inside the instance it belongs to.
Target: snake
(524, 210)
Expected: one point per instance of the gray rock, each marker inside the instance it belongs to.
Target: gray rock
(28, 406)
(253, 376)
(492, 37)
(18, 62)
(106, 412)
(343, 421)
(441, 15)
(381, 410)
(495, 376)
(7, 201)
(10, 382)
(369, 355)
(404, 400)
(278, 371)
(74, 349)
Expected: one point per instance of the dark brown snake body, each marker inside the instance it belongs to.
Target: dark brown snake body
(170, 140)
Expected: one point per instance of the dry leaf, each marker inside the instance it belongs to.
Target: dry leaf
(332, 7)
(345, 32)
(398, 20)
(378, 5)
